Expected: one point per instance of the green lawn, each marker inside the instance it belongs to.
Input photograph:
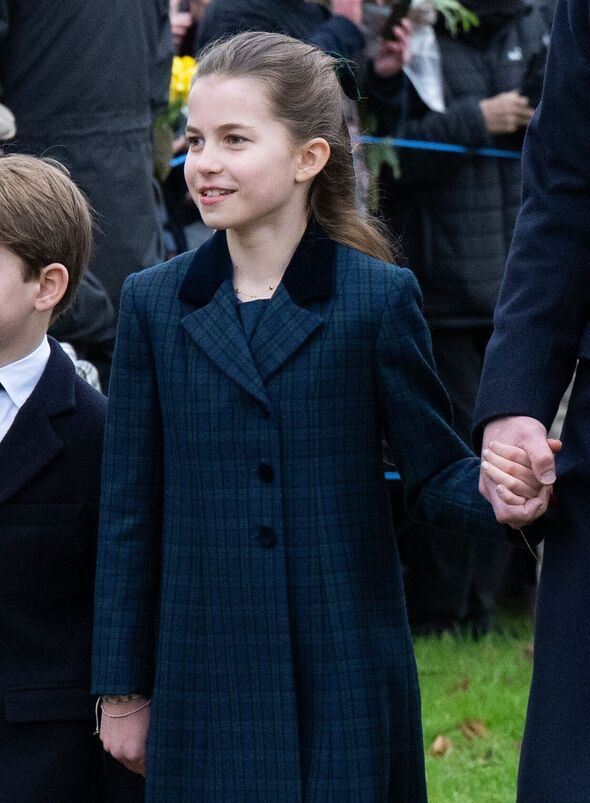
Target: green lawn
(474, 695)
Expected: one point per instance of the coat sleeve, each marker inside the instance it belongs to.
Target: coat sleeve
(544, 304)
(128, 564)
(439, 473)
(338, 35)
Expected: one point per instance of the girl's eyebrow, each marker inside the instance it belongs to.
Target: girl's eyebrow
(225, 127)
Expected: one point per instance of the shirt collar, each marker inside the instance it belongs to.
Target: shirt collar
(19, 378)
(310, 274)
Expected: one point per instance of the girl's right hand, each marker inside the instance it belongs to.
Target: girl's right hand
(125, 737)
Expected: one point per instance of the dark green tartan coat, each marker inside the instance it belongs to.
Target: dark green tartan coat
(248, 576)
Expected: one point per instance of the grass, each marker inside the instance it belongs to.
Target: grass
(474, 694)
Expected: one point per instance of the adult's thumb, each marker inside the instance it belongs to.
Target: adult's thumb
(542, 459)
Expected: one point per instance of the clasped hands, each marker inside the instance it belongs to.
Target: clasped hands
(517, 469)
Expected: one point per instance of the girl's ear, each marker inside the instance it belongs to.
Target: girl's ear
(53, 283)
(312, 158)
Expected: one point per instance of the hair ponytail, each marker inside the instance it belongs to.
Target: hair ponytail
(306, 96)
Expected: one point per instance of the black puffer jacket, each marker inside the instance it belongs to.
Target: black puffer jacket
(454, 213)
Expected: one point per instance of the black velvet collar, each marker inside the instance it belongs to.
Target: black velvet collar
(310, 274)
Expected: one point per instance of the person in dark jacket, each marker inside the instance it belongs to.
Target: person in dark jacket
(542, 332)
(455, 215)
(51, 432)
(84, 79)
(336, 32)
(89, 326)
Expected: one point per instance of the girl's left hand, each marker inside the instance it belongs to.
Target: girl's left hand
(510, 468)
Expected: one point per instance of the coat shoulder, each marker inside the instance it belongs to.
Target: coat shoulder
(162, 279)
(386, 280)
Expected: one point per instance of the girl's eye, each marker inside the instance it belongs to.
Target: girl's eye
(235, 139)
(194, 142)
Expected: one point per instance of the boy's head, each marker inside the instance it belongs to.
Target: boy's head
(45, 221)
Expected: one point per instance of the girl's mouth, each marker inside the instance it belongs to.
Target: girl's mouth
(213, 195)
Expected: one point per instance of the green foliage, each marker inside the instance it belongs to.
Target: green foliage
(170, 116)
(456, 16)
(474, 684)
(376, 157)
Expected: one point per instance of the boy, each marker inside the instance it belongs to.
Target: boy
(51, 427)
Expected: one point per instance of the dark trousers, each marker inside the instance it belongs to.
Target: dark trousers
(453, 580)
(61, 762)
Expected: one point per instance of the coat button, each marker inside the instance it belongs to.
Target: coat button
(266, 472)
(268, 537)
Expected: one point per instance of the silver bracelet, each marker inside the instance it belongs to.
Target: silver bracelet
(116, 716)
(128, 714)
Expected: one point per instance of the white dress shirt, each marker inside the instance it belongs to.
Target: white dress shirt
(18, 380)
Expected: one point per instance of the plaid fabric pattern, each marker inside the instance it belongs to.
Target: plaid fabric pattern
(264, 608)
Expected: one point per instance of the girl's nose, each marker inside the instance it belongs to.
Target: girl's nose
(208, 161)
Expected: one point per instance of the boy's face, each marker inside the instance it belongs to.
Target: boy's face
(19, 322)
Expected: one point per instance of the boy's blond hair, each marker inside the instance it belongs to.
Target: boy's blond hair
(44, 218)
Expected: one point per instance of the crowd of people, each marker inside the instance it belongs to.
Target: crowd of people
(249, 610)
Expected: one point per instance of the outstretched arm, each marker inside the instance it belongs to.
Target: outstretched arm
(439, 472)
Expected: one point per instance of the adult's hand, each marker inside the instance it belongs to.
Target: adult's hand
(394, 54)
(531, 436)
(506, 113)
(180, 22)
(351, 9)
(125, 737)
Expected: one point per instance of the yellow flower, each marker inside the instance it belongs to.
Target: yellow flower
(183, 70)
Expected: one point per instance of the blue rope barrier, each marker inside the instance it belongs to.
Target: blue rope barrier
(414, 144)
(443, 147)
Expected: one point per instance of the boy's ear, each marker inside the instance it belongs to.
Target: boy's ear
(312, 158)
(53, 283)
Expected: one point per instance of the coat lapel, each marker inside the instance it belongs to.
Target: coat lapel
(283, 329)
(31, 442)
(213, 322)
(217, 329)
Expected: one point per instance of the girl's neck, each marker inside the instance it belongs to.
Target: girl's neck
(260, 256)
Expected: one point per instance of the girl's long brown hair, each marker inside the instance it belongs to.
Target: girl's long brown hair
(306, 96)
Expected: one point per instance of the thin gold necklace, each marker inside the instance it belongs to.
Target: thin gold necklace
(239, 292)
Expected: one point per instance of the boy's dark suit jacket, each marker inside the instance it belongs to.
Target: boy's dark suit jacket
(49, 483)
(542, 328)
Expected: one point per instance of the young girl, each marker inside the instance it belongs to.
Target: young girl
(248, 579)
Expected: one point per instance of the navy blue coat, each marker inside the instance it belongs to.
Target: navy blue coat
(542, 328)
(247, 573)
(309, 22)
(49, 485)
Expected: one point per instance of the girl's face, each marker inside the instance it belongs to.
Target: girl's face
(242, 169)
